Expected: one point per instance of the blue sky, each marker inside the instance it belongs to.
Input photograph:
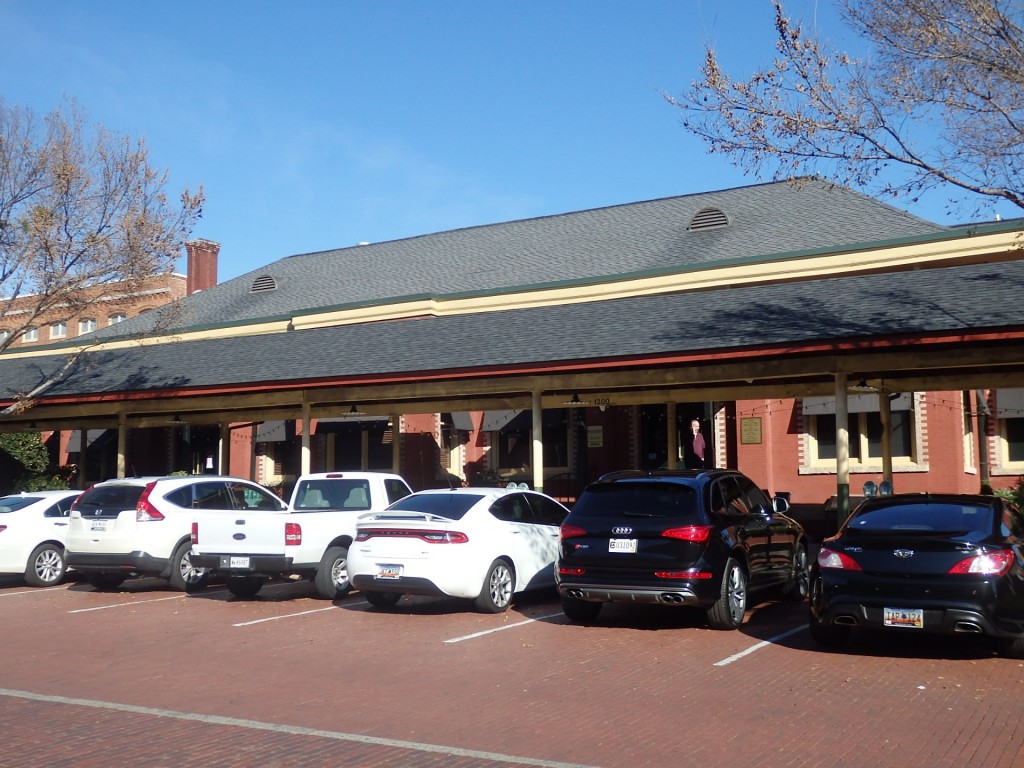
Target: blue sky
(315, 125)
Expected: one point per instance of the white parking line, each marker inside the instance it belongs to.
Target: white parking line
(28, 592)
(125, 605)
(140, 602)
(256, 725)
(502, 628)
(757, 647)
(288, 616)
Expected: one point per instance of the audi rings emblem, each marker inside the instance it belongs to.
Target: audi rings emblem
(903, 553)
(621, 530)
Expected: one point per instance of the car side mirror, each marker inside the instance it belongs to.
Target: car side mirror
(780, 505)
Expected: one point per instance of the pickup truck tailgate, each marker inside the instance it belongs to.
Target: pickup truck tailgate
(247, 534)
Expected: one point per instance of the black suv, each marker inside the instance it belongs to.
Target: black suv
(688, 538)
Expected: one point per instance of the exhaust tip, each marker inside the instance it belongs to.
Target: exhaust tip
(968, 627)
(845, 621)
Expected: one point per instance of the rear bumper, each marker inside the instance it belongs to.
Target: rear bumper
(937, 620)
(405, 585)
(259, 565)
(125, 562)
(608, 593)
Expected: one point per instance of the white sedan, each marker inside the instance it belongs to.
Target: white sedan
(484, 544)
(33, 526)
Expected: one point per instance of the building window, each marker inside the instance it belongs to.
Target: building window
(515, 441)
(4, 335)
(864, 426)
(58, 330)
(1009, 412)
(86, 325)
(31, 334)
(117, 317)
(1012, 432)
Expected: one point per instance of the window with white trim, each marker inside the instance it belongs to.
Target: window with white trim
(117, 317)
(1010, 427)
(31, 334)
(58, 330)
(86, 325)
(864, 425)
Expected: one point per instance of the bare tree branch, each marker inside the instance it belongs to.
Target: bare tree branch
(80, 210)
(939, 102)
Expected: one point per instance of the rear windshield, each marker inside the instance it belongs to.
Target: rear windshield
(645, 499)
(944, 518)
(333, 493)
(450, 505)
(110, 497)
(11, 503)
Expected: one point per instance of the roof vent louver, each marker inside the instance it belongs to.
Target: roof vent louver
(708, 218)
(262, 284)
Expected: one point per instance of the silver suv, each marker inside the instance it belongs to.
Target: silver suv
(142, 526)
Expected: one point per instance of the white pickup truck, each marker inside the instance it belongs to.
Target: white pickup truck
(310, 540)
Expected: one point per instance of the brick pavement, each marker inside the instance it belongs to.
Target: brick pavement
(147, 677)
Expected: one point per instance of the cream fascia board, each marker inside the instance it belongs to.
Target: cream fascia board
(781, 268)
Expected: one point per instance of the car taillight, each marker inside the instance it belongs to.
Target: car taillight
(694, 533)
(144, 510)
(195, 533)
(698, 575)
(570, 531)
(829, 558)
(566, 571)
(444, 537)
(292, 534)
(987, 564)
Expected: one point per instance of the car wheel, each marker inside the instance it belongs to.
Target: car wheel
(105, 581)
(1011, 648)
(244, 586)
(582, 611)
(731, 605)
(184, 576)
(382, 599)
(825, 635)
(46, 566)
(496, 594)
(828, 635)
(799, 581)
(332, 576)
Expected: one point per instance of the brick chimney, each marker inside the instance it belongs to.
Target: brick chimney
(202, 265)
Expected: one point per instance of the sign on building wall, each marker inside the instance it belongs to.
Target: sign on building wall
(595, 437)
(750, 430)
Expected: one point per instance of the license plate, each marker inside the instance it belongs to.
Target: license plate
(389, 572)
(98, 525)
(622, 545)
(903, 617)
(238, 562)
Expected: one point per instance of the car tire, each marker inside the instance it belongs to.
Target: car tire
(184, 576)
(798, 586)
(1011, 648)
(382, 599)
(46, 566)
(332, 581)
(828, 635)
(582, 611)
(244, 586)
(105, 581)
(731, 605)
(496, 593)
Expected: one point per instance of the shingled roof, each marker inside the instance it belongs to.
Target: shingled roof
(771, 223)
(636, 238)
